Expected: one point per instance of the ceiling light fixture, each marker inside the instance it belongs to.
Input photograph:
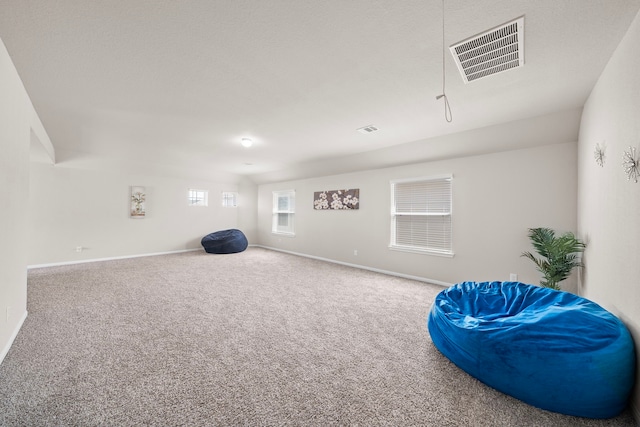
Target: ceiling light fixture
(447, 108)
(246, 142)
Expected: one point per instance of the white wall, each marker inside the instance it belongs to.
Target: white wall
(18, 120)
(608, 204)
(248, 209)
(496, 197)
(86, 204)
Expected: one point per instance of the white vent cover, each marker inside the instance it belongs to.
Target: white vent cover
(494, 51)
(367, 129)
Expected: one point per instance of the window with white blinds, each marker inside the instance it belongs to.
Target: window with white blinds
(229, 199)
(284, 207)
(421, 215)
(197, 197)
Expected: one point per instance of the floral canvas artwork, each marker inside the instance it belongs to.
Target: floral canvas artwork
(138, 197)
(336, 199)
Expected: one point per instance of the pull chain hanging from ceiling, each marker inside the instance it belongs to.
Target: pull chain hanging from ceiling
(448, 116)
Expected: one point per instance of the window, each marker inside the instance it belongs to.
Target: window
(229, 199)
(283, 211)
(198, 197)
(421, 215)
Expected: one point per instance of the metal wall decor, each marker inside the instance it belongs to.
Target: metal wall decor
(598, 154)
(630, 164)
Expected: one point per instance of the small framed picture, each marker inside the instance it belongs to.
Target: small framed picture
(137, 198)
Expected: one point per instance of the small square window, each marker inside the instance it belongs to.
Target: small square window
(198, 197)
(229, 199)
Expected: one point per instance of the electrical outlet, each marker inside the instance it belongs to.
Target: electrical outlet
(79, 248)
(355, 252)
(513, 277)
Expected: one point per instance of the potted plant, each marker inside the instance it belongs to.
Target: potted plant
(558, 255)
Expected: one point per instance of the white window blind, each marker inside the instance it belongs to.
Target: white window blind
(283, 212)
(421, 215)
(198, 197)
(229, 199)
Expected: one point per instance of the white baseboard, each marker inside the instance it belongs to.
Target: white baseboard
(6, 348)
(362, 267)
(57, 264)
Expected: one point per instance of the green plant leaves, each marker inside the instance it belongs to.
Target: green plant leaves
(559, 255)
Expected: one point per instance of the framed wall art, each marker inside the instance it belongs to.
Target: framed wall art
(137, 199)
(336, 200)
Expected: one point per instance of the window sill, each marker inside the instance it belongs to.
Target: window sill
(282, 233)
(421, 251)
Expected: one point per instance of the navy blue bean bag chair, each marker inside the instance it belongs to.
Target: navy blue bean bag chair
(551, 349)
(225, 242)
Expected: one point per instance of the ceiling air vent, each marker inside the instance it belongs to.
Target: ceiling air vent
(494, 51)
(367, 129)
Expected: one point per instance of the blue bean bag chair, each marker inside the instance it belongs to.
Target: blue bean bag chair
(225, 242)
(551, 349)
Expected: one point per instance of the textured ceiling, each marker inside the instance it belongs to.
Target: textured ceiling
(179, 83)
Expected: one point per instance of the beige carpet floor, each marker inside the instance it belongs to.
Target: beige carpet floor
(259, 338)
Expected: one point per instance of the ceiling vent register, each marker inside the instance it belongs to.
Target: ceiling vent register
(494, 51)
(367, 129)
